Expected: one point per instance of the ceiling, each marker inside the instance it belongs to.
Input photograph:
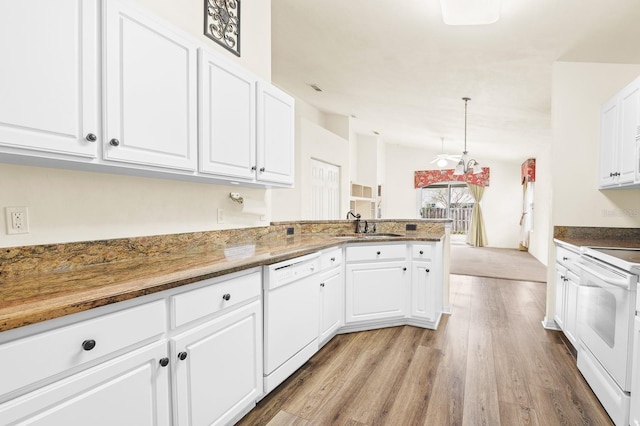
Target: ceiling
(402, 72)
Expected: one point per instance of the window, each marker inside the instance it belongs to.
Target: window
(447, 201)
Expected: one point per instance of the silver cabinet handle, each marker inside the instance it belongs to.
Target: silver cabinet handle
(114, 142)
(91, 137)
(261, 169)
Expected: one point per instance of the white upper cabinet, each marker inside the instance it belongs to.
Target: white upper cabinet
(620, 127)
(49, 80)
(227, 118)
(276, 120)
(150, 90)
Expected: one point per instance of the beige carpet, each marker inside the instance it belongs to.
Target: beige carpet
(511, 264)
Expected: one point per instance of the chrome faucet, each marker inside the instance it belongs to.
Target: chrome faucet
(357, 217)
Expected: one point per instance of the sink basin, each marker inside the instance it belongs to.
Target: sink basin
(370, 236)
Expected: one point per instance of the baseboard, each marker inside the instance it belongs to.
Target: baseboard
(550, 324)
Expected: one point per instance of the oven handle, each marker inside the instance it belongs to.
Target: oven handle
(606, 281)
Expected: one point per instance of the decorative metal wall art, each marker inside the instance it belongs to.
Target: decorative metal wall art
(222, 23)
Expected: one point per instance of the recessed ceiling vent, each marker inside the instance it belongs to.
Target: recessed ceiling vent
(316, 87)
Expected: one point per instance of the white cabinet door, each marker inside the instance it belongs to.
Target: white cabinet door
(608, 143)
(423, 294)
(150, 90)
(49, 80)
(129, 390)
(221, 373)
(559, 313)
(629, 121)
(375, 291)
(275, 135)
(227, 118)
(571, 308)
(634, 418)
(331, 303)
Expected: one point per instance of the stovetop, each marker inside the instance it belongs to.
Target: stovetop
(623, 258)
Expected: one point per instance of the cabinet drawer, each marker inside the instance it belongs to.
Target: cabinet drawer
(208, 300)
(43, 355)
(376, 252)
(567, 258)
(330, 259)
(423, 251)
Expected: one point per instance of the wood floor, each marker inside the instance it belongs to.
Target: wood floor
(489, 363)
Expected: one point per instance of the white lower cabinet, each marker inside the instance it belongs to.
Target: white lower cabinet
(377, 279)
(331, 291)
(423, 294)
(132, 389)
(218, 367)
(566, 292)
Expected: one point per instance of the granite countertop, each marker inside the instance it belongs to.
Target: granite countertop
(37, 297)
(598, 237)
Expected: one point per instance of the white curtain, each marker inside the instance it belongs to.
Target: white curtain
(526, 220)
(476, 236)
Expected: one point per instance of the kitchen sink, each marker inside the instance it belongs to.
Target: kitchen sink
(369, 236)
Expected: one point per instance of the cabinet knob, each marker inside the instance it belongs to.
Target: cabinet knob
(253, 168)
(421, 252)
(91, 137)
(321, 284)
(261, 169)
(226, 297)
(87, 345)
(562, 277)
(378, 253)
(164, 362)
(427, 270)
(182, 356)
(333, 259)
(114, 142)
(565, 258)
(404, 269)
(611, 174)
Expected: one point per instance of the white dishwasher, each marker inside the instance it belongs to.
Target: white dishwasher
(291, 304)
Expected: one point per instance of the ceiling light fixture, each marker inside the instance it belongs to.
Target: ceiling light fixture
(470, 12)
(464, 166)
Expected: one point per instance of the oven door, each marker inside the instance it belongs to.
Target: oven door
(605, 318)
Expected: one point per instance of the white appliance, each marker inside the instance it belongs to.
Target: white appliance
(291, 304)
(607, 307)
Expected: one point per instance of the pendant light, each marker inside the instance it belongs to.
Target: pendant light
(464, 166)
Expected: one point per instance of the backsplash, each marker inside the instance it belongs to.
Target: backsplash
(27, 260)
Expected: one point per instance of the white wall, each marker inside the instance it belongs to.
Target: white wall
(578, 91)
(69, 206)
(313, 141)
(501, 204)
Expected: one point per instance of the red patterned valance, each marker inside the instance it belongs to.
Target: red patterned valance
(528, 172)
(424, 178)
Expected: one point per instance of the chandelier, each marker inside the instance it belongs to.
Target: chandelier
(466, 166)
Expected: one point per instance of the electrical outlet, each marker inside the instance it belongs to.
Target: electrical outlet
(17, 220)
(220, 215)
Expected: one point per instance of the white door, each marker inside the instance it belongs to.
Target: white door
(275, 127)
(608, 142)
(331, 291)
(150, 90)
(221, 373)
(629, 121)
(227, 118)
(375, 291)
(49, 81)
(325, 190)
(130, 390)
(423, 296)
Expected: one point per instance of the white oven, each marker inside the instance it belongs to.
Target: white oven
(607, 306)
